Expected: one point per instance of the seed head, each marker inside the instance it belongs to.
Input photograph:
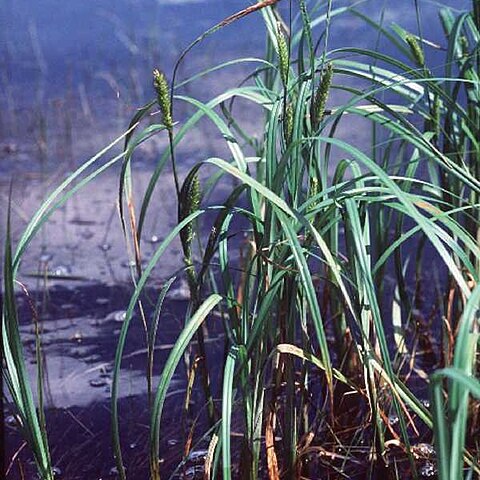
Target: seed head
(288, 123)
(306, 23)
(190, 203)
(313, 190)
(283, 56)
(436, 116)
(464, 46)
(194, 195)
(416, 50)
(163, 97)
(317, 111)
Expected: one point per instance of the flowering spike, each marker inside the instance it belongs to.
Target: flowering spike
(417, 52)
(321, 96)
(163, 97)
(283, 56)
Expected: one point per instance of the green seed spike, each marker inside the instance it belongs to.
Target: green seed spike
(464, 46)
(436, 116)
(313, 191)
(283, 56)
(416, 50)
(288, 123)
(163, 97)
(321, 96)
(191, 195)
(194, 195)
(306, 25)
(190, 202)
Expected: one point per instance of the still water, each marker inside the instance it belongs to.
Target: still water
(72, 74)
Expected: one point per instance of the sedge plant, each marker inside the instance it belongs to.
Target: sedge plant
(319, 349)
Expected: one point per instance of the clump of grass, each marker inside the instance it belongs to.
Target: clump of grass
(309, 319)
(31, 422)
(296, 211)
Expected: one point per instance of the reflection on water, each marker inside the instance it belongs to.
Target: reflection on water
(80, 326)
(79, 332)
(73, 75)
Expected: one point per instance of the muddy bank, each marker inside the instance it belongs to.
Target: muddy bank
(79, 331)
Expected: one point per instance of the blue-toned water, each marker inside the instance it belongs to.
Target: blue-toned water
(52, 48)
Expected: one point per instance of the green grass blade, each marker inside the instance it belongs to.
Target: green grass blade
(124, 331)
(227, 401)
(169, 369)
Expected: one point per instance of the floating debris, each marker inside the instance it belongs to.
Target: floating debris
(393, 419)
(45, 257)
(193, 472)
(197, 456)
(132, 264)
(114, 471)
(102, 301)
(423, 451)
(13, 421)
(77, 337)
(128, 264)
(61, 271)
(425, 402)
(57, 472)
(428, 470)
(44, 273)
(82, 221)
(98, 382)
(172, 442)
(154, 239)
(181, 293)
(117, 316)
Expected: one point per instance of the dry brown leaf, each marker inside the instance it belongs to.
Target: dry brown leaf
(209, 457)
(272, 463)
